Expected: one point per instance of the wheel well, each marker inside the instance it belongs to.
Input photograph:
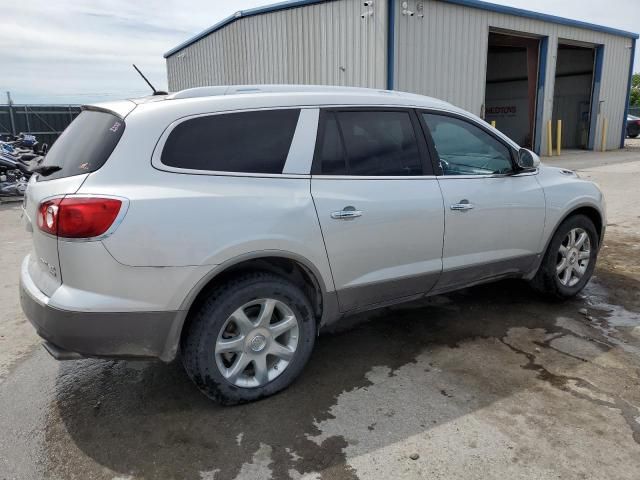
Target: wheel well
(593, 215)
(288, 268)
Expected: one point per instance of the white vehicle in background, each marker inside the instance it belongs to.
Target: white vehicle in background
(230, 223)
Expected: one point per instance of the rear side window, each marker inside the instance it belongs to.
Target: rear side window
(370, 143)
(248, 142)
(84, 146)
(331, 149)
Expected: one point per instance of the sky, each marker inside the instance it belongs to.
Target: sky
(75, 51)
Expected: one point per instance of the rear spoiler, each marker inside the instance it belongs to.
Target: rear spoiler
(119, 108)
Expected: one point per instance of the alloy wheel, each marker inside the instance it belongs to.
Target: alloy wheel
(573, 257)
(257, 342)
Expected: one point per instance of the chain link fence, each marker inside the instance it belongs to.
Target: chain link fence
(46, 122)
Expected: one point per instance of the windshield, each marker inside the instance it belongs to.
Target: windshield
(83, 147)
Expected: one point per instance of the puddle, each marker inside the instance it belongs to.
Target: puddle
(616, 323)
(597, 296)
(393, 375)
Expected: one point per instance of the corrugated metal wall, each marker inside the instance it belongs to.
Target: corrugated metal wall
(444, 55)
(326, 43)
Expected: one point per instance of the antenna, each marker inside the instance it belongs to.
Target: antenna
(155, 92)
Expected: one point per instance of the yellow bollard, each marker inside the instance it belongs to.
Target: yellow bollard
(549, 139)
(493, 123)
(559, 137)
(605, 126)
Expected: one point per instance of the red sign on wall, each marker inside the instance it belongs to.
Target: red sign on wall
(502, 110)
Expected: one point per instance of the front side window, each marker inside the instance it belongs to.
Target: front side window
(466, 149)
(247, 142)
(369, 143)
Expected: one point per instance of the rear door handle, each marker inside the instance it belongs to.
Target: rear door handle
(346, 213)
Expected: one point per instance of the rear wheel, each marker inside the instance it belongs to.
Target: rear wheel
(570, 258)
(250, 339)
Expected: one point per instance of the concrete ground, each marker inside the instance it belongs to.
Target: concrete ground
(489, 382)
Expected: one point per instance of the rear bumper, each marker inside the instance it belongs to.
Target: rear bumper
(60, 354)
(71, 334)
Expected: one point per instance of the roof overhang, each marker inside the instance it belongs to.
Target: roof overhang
(274, 7)
(544, 17)
(492, 7)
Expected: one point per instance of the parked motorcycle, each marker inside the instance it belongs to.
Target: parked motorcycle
(13, 184)
(25, 143)
(18, 156)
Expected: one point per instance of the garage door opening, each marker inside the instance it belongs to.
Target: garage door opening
(511, 85)
(573, 94)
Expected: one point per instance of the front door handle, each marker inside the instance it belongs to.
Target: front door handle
(463, 205)
(346, 213)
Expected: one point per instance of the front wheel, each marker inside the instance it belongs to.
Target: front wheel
(250, 339)
(570, 258)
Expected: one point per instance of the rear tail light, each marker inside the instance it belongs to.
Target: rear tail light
(48, 216)
(637, 122)
(78, 217)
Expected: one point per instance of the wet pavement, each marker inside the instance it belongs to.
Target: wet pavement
(490, 382)
(404, 373)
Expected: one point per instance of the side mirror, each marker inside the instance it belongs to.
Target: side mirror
(527, 159)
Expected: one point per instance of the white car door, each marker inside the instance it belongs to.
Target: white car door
(379, 205)
(494, 217)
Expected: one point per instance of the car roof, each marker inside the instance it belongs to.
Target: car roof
(299, 90)
(284, 95)
(165, 109)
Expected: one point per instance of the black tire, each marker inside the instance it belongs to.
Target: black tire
(546, 280)
(634, 135)
(199, 341)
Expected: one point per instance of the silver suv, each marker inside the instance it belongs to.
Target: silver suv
(230, 223)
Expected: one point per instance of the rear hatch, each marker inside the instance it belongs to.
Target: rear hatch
(83, 147)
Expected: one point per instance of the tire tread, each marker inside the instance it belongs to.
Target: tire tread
(545, 280)
(199, 330)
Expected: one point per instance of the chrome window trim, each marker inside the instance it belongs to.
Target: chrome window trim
(156, 156)
(373, 177)
(305, 121)
(491, 175)
(157, 151)
(220, 173)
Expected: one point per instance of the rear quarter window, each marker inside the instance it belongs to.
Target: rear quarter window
(84, 146)
(244, 142)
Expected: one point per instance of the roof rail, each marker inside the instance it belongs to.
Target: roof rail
(219, 90)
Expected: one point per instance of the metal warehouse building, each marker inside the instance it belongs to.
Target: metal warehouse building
(518, 68)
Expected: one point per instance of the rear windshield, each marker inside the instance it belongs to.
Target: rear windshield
(84, 146)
